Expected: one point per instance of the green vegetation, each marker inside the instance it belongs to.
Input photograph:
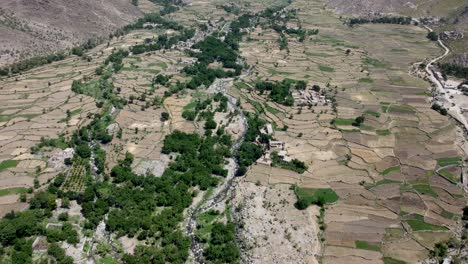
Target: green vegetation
(318, 54)
(332, 41)
(230, 8)
(372, 113)
(386, 181)
(357, 122)
(366, 128)
(440, 109)
(9, 191)
(342, 122)
(58, 254)
(418, 224)
(326, 68)
(165, 116)
(400, 109)
(366, 246)
(394, 233)
(222, 247)
(449, 175)
(271, 109)
(17, 228)
(162, 65)
(366, 80)
(5, 118)
(248, 152)
(454, 70)
(384, 132)
(148, 208)
(425, 189)
(31, 63)
(398, 50)
(294, 165)
(439, 252)
(205, 223)
(308, 196)
(389, 260)
(433, 36)
(280, 92)
(374, 62)
(64, 233)
(70, 114)
(277, 72)
(448, 214)
(258, 106)
(389, 170)
(168, 6)
(241, 85)
(6, 164)
(107, 260)
(442, 162)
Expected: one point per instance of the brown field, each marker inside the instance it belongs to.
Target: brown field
(406, 133)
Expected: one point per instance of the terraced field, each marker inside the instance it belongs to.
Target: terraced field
(373, 174)
(391, 172)
(39, 104)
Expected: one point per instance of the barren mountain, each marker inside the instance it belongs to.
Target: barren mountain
(38, 27)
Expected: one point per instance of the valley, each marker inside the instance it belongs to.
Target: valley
(237, 132)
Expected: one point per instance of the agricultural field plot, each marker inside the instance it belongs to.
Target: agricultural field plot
(75, 178)
(139, 126)
(383, 170)
(198, 11)
(147, 6)
(40, 104)
(278, 146)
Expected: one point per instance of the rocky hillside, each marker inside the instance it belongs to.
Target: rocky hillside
(31, 28)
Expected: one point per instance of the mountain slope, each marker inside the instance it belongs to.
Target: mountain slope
(31, 28)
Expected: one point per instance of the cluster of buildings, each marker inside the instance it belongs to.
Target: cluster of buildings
(429, 21)
(57, 161)
(451, 84)
(200, 35)
(451, 35)
(273, 146)
(308, 97)
(452, 95)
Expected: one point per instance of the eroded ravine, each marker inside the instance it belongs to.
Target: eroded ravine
(223, 191)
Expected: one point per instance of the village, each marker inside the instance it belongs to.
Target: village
(272, 146)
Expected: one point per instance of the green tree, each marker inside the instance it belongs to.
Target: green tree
(433, 36)
(210, 124)
(358, 121)
(165, 116)
(83, 151)
(63, 216)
